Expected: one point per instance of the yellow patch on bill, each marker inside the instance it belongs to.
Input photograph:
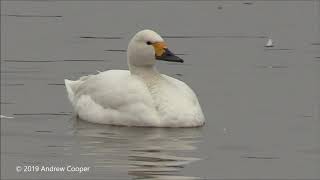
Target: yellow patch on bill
(159, 48)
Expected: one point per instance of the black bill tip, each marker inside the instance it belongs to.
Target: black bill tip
(169, 56)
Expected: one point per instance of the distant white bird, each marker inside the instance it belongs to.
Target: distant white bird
(141, 96)
(269, 43)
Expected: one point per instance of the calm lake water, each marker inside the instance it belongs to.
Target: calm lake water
(262, 105)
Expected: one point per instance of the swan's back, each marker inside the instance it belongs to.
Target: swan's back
(112, 97)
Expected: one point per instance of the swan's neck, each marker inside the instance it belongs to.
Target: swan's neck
(148, 73)
(144, 71)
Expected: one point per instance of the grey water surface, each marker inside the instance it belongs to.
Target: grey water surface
(262, 105)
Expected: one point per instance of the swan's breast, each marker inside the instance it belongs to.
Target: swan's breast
(175, 101)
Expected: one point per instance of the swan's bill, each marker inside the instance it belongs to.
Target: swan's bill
(164, 54)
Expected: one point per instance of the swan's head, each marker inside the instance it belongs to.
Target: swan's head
(146, 47)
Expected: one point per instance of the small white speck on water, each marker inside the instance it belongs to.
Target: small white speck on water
(224, 130)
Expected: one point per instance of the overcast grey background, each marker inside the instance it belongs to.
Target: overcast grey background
(262, 105)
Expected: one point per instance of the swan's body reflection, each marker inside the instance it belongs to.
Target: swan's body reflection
(144, 153)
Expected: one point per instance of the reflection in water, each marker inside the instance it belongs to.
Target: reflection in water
(146, 153)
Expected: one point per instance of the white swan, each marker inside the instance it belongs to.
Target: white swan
(138, 97)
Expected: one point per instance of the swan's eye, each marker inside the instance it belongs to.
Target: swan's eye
(149, 43)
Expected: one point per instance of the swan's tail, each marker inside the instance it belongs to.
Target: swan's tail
(70, 89)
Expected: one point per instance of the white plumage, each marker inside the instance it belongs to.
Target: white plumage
(139, 97)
